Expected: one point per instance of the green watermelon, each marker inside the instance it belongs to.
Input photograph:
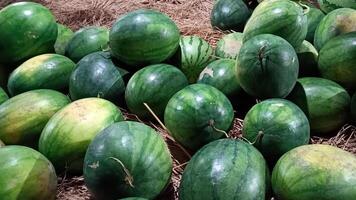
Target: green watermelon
(23, 117)
(144, 37)
(87, 40)
(197, 115)
(308, 59)
(127, 159)
(330, 5)
(27, 29)
(26, 174)
(225, 169)
(314, 16)
(63, 37)
(154, 85)
(337, 22)
(96, 76)
(229, 15)
(3, 96)
(324, 102)
(68, 133)
(229, 46)
(267, 66)
(279, 17)
(337, 60)
(46, 71)
(315, 171)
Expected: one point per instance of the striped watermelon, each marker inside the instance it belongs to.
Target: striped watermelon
(229, 46)
(63, 37)
(314, 16)
(308, 59)
(330, 5)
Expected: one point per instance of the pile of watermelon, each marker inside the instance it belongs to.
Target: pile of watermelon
(287, 67)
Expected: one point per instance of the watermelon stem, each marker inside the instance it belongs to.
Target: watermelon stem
(211, 123)
(305, 7)
(128, 178)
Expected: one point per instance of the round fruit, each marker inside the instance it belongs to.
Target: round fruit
(308, 59)
(229, 46)
(26, 174)
(154, 85)
(267, 66)
(314, 16)
(64, 35)
(330, 5)
(3, 96)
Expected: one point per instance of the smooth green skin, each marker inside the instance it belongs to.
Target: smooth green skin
(3, 96)
(194, 113)
(337, 22)
(229, 46)
(315, 171)
(27, 29)
(314, 16)
(337, 60)
(87, 40)
(225, 169)
(46, 71)
(279, 17)
(26, 174)
(67, 135)
(23, 117)
(63, 37)
(96, 76)
(353, 107)
(144, 37)
(140, 149)
(230, 15)
(330, 5)
(267, 67)
(154, 85)
(308, 60)
(281, 124)
(194, 55)
(324, 102)
(222, 75)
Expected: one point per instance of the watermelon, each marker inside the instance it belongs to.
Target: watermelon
(330, 5)
(314, 16)
(87, 40)
(267, 66)
(337, 60)
(229, 15)
(353, 107)
(308, 59)
(27, 29)
(96, 76)
(315, 171)
(144, 37)
(154, 85)
(324, 102)
(337, 22)
(68, 133)
(197, 115)
(26, 174)
(276, 126)
(23, 117)
(279, 17)
(63, 37)
(229, 46)
(127, 159)
(3, 96)
(225, 169)
(46, 71)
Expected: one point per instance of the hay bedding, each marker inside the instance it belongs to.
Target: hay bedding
(192, 17)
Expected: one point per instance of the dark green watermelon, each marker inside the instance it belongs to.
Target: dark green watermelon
(315, 171)
(229, 15)
(353, 107)
(144, 37)
(337, 22)
(225, 169)
(26, 174)
(337, 60)
(127, 159)
(279, 17)
(229, 46)
(197, 115)
(96, 76)
(27, 29)
(46, 71)
(63, 37)
(154, 85)
(23, 117)
(308, 60)
(267, 66)
(314, 16)
(276, 126)
(87, 40)
(3, 96)
(330, 5)
(324, 102)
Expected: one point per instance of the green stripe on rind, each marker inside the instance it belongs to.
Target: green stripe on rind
(224, 169)
(314, 16)
(23, 117)
(63, 37)
(315, 171)
(140, 149)
(229, 46)
(26, 174)
(194, 114)
(3, 96)
(27, 29)
(330, 5)
(69, 132)
(47, 71)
